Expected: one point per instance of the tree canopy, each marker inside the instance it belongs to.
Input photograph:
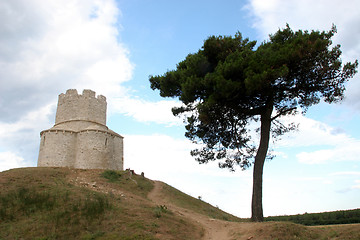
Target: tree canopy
(230, 82)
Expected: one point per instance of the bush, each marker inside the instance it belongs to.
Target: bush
(159, 210)
(111, 175)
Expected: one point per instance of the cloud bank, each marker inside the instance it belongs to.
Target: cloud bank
(50, 46)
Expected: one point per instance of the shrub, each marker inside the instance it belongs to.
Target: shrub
(159, 210)
(111, 175)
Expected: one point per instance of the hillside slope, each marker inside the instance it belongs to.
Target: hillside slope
(61, 203)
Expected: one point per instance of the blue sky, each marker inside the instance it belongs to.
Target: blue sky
(111, 47)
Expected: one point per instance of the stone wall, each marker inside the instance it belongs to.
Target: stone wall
(80, 138)
(72, 106)
(57, 149)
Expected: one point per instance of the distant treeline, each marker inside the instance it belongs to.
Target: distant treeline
(325, 218)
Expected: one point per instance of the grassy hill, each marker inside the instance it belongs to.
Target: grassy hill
(61, 203)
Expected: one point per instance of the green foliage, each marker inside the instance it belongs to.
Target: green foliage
(111, 175)
(159, 210)
(325, 218)
(228, 83)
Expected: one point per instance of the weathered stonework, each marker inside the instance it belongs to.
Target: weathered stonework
(80, 137)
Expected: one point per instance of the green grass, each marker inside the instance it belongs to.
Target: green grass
(112, 175)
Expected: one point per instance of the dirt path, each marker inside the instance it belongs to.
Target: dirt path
(214, 229)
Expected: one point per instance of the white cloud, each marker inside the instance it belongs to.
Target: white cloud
(271, 15)
(311, 179)
(10, 160)
(21, 138)
(35, 119)
(343, 151)
(145, 111)
(311, 133)
(157, 153)
(357, 185)
(349, 173)
(50, 46)
(331, 145)
(164, 155)
(314, 180)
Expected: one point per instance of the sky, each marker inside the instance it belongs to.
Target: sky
(113, 46)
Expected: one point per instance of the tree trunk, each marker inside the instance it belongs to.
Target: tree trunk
(256, 205)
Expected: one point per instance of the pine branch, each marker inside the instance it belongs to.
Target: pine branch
(282, 113)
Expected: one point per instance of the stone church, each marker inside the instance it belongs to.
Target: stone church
(80, 137)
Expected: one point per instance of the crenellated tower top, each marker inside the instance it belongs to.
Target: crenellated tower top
(86, 107)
